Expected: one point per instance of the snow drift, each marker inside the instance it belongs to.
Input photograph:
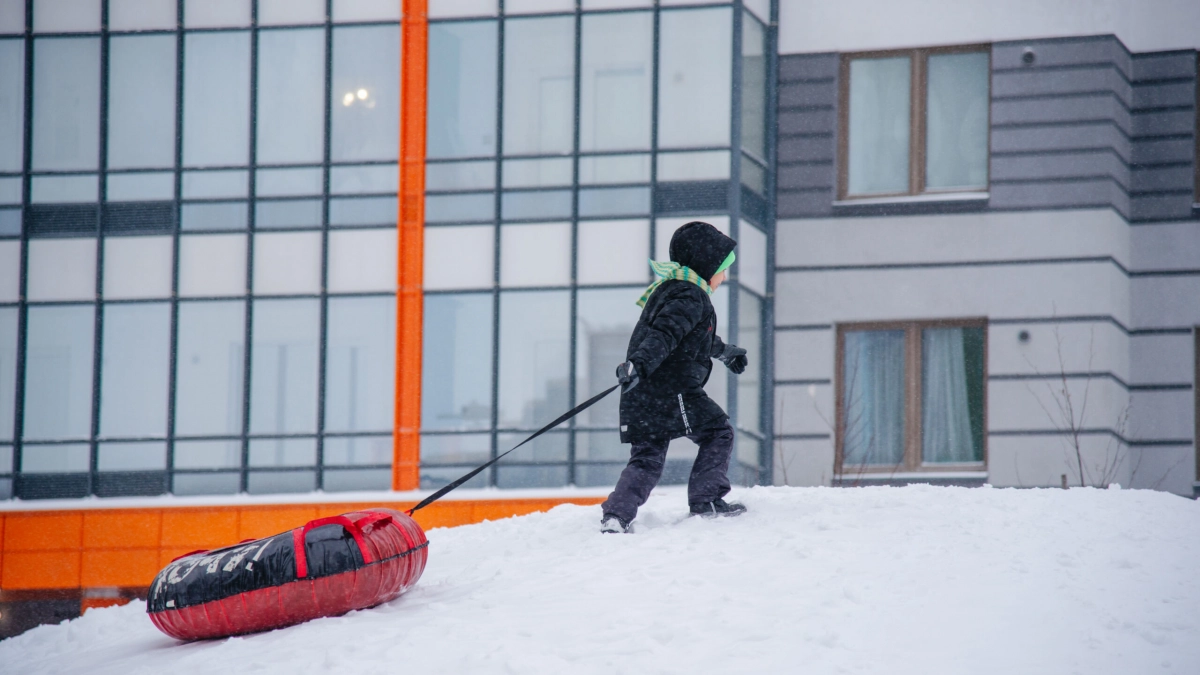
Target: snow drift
(872, 580)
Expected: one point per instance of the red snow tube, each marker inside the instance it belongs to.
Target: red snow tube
(325, 568)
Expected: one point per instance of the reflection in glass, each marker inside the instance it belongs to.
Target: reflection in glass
(622, 201)
(215, 184)
(208, 454)
(696, 63)
(952, 374)
(208, 369)
(287, 213)
(141, 102)
(535, 343)
(749, 383)
(283, 451)
(879, 120)
(140, 187)
(131, 457)
(360, 362)
(58, 372)
(465, 449)
(535, 205)
(66, 16)
(276, 482)
(366, 93)
(205, 483)
(614, 169)
(362, 211)
(956, 145)
(214, 216)
(288, 182)
(535, 255)
(613, 252)
(456, 386)
(517, 477)
(8, 370)
(134, 370)
(616, 65)
(872, 424)
(216, 13)
(358, 450)
(212, 265)
(65, 458)
(66, 103)
(605, 320)
(460, 175)
(61, 269)
(290, 12)
(216, 98)
(379, 178)
(707, 165)
(287, 263)
(549, 447)
(754, 87)
(460, 208)
(362, 261)
(141, 14)
(64, 189)
(462, 89)
(291, 96)
(12, 108)
(539, 85)
(283, 370)
(518, 173)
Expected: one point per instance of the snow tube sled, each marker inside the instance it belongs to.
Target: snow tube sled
(325, 568)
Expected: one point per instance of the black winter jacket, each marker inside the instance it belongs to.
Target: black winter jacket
(673, 345)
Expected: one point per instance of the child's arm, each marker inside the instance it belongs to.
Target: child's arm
(676, 319)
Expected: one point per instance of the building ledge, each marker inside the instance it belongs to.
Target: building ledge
(941, 202)
(952, 478)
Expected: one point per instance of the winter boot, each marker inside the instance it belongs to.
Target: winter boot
(611, 524)
(717, 507)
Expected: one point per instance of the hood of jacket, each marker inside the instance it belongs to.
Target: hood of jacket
(700, 247)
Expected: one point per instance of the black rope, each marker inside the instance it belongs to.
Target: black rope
(474, 472)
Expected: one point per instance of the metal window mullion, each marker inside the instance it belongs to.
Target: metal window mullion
(250, 224)
(98, 318)
(494, 472)
(735, 204)
(22, 304)
(766, 457)
(655, 57)
(173, 398)
(322, 340)
(572, 382)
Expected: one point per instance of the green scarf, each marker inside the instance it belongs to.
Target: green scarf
(671, 270)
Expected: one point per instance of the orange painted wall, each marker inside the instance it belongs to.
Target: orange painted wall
(125, 548)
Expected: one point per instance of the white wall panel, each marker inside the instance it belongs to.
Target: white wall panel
(1161, 359)
(535, 255)
(612, 252)
(1033, 405)
(1166, 246)
(803, 463)
(1166, 302)
(1162, 415)
(1170, 468)
(804, 409)
(1086, 347)
(804, 354)
(1041, 461)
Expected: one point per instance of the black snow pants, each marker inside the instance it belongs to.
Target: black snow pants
(709, 479)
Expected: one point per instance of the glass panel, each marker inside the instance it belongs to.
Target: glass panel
(460, 176)
(67, 458)
(371, 211)
(616, 67)
(460, 208)
(360, 358)
(215, 216)
(10, 222)
(614, 252)
(754, 87)
(64, 189)
(956, 133)
(290, 12)
(206, 484)
(605, 320)
(518, 173)
(132, 457)
(276, 482)
(141, 102)
(58, 372)
(365, 10)
(539, 85)
(535, 255)
(66, 104)
(952, 382)
(283, 373)
(535, 344)
(754, 176)
(872, 398)
(462, 90)
(66, 16)
(215, 184)
(538, 6)
(517, 477)
(12, 105)
(366, 93)
(10, 270)
(535, 205)
(12, 17)
(614, 169)
(675, 166)
(216, 98)
(460, 257)
(134, 370)
(212, 265)
(6, 459)
(287, 263)
(357, 479)
(751, 265)
(879, 125)
(749, 383)
(283, 451)
(137, 267)
(614, 202)
(449, 8)
(288, 182)
(141, 14)
(456, 378)
(465, 449)
(362, 261)
(288, 213)
(208, 454)
(8, 371)
(208, 369)
(216, 13)
(291, 96)
(11, 190)
(61, 269)
(597, 446)
(364, 179)
(550, 447)
(717, 386)
(140, 187)
(696, 63)
(358, 451)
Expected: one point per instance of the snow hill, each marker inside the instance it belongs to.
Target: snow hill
(919, 580)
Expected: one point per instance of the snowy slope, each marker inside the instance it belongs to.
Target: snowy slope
(873, 580)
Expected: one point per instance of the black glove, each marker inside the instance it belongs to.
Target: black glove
(627, 376)
(734, 358)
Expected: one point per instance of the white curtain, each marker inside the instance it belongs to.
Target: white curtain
(873, 398)
(880, 106)
(945, 414)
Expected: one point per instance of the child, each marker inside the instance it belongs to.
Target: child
(668, 361)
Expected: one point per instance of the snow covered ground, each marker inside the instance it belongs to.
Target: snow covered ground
(919, 580)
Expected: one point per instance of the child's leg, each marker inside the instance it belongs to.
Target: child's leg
(710, 472)
(637, 479)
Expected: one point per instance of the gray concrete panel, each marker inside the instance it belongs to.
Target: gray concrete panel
(1165, 65)
(1170, 468)
(808, 93)
(1056, 82)
(1100, 49)
(1059, 165)
(807, 121)
(1166, 246)
(1090, 107)
(1155, 95)
(1162, 178)
(1041, 405)
(794, 176)
(1036, 194)
(804, 410)
(1088, 135)
(1041, 460)
(1158, 359)
(804, 204)
(1165, 123)
(1161, 207)
(808, 66)
(1166, 302)
(1162, 415)
(1150, 151)
(806, 148)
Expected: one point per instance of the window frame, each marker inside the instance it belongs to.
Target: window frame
(913, 433)
(917, 122)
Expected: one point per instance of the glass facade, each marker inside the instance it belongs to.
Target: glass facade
(198, 262)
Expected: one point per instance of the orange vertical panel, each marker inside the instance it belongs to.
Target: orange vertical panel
(191, 530)
(406, 462)
(40, 569)
(122, 529)
(43, 531)
(259, 523)
(119, 568)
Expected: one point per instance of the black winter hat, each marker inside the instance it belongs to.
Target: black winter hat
(701, 247)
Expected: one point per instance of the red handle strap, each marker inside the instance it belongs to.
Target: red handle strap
(354, 527)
